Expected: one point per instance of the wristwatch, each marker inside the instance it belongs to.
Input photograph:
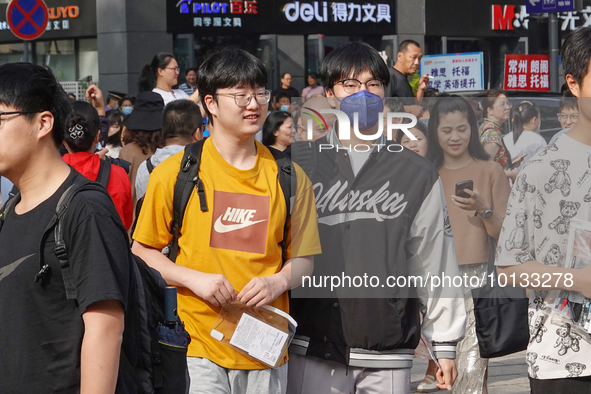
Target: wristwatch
(486, 214)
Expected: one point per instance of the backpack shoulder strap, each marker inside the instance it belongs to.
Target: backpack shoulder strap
(8, 205)
(305, 154)
(283, 160)
(104, 173)
(61, 250)
(288, 184)
(149, 165)
(187, 179)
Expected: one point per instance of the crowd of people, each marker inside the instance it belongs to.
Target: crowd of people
(245, 239)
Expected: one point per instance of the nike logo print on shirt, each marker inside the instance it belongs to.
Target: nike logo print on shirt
(7, 270)
(242, 218)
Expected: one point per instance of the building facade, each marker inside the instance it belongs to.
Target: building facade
(109, 41)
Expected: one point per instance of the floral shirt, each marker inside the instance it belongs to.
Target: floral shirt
(553, 187)
(490, 131)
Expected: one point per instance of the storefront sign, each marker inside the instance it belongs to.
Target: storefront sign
(510, 17)
(66, 19)
(543, 6)
(492, 18)
(339, 12)
(280, 17)
(454, 72)
(527, 72)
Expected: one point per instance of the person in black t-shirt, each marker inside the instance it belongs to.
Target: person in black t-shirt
(408, 61)
(286, 89)
(51, 344)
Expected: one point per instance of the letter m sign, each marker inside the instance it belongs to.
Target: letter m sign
(502, 17)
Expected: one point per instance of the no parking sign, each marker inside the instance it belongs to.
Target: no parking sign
(27, 18)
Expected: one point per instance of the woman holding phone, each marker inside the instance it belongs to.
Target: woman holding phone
(455, 150)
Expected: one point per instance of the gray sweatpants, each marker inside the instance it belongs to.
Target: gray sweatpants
(209, 378)
(309, 375)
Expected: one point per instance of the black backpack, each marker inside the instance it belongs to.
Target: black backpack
(150, 366)
(104, 173)
(188, 179)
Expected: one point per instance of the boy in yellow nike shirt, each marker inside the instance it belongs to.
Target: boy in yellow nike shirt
(232, 251)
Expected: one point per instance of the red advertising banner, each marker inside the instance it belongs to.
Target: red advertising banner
(527, 72)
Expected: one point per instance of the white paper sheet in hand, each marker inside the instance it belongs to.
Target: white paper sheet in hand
(259, 339)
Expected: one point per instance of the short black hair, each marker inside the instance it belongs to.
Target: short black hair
(568, 102)
(31, 88)
(124, 98)
(394, 105)
(189, 70)
(115, 117)
(83, 126)
(404, 45)
(431, 92)
(272, 124)
(226, 69)
(354, 57)
(446, 106)
(313, 75)
(181, 118)
(148, 76)
(281, 95)
(576, 53)
(284, 74)
(420, 125)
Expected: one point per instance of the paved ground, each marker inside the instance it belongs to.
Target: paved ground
(506, 374)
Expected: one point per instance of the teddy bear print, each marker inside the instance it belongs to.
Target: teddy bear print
(531, 362)
(560, 179)
(574, 369)
(552, 147)
(537, 330)
(566, 340)
(537, 218)
(587, 197)
(568, 210)
(523, 257)
(554, 257)
(517, 239)
(522, 187)
(538, 303)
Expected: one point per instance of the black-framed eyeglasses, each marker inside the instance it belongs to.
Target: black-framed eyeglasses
(13, 113)
(176, 69)
(243, 99)
(353, 85)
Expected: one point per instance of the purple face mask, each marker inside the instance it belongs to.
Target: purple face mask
(368, 107)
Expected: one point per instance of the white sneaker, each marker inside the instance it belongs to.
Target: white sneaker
(428, 385)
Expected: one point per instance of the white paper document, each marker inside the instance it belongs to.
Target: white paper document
(259, 339)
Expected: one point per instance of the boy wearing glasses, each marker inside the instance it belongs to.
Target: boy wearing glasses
(231, 252)
(381, 215)
(568, 115)
(52, 340)
(556, 192)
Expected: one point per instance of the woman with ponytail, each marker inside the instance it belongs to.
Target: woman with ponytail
(81, 139)
(160, 76)
(525, 139)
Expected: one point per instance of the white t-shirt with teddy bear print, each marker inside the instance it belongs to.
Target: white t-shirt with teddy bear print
(553, 187)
